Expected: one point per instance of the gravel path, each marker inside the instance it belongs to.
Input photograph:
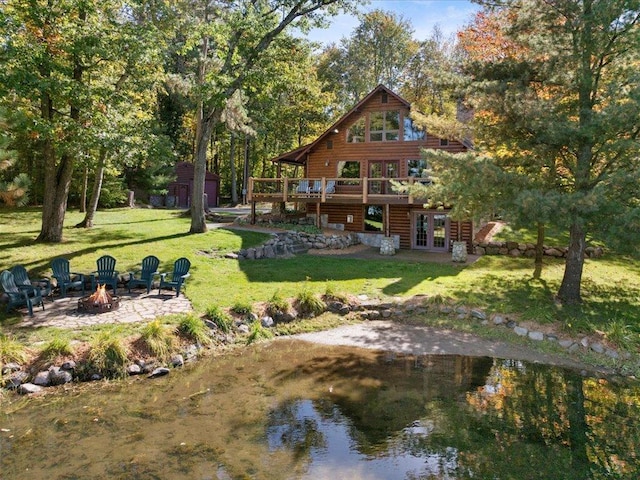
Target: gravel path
(418, 340)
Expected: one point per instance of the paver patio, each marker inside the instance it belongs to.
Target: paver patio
(134, 307)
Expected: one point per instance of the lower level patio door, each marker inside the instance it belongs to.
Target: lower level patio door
(430, 231)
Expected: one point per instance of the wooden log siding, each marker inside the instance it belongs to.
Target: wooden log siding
(466, 233)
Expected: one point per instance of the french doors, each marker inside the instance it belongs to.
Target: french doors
(430, 231)
(382, 169)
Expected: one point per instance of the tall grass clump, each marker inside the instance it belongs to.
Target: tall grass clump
(11, 350)
(622, 335)
(194, 328)
(159, 339)
(57, 347)
(277, 304)
(331, 293)
(308, 303)
(258, 332)
(242, 307)
(218, 316)
(108, 354)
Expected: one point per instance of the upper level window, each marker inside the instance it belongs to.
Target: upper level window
(384, 126)
(349, 169)
(355, 134)
(412, 132)
(444, 142)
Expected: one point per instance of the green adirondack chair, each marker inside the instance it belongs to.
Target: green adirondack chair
(106, 273)
(22, 280)
(177, 277)
(146, 274)
(65, 277)
(19, 297)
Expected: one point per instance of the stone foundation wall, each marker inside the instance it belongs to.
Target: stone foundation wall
(289, 243)
(515, 249)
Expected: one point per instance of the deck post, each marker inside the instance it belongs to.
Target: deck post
(250, 190)
(387, 221)
(318, 221)
(323, 185)
(410, 199)
(365, 185)
(285, 188)
(253, 213)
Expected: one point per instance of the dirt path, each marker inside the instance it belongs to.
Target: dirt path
(417, 340)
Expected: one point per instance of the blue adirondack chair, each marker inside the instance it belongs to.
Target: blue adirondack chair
(146, 274)
(19, 297)
(22, 280)
(65, 277)
(177, 277)
(106, 273)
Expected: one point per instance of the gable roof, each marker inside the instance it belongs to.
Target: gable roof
(297, 156)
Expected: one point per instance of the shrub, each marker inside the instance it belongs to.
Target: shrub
(11, 350)
(57, 347)
(218, 316)
(194, 328)
(159, 338)
(258, 332)
(108, 354)
(277, 303)
(308, 303)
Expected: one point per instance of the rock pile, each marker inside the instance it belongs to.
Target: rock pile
(515, 249)
(290, 243)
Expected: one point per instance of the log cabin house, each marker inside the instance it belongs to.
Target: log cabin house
(347, 173)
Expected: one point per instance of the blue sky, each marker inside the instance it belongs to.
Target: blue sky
(449, 15)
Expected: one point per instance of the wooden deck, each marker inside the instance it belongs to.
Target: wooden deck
(366, 191)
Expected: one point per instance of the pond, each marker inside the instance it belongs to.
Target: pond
(293, 410)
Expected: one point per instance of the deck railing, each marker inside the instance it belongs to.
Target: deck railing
(364, 190)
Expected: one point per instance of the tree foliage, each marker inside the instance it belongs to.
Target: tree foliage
(556, 92)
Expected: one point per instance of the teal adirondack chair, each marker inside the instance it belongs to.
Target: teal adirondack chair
(106, 273)
(65, 277)
(178, 276)
(19, 297)
(23, 281)
(146, 274)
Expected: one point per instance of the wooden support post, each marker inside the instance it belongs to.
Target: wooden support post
(323, 187)
(387, 220)
(250, 190)
(411, 179)
(253, 213)
(365, 189)
(285, 188)
(318, 221)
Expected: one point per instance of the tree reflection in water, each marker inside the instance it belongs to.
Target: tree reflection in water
(291, 410)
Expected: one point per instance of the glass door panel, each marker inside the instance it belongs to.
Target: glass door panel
(430, 231)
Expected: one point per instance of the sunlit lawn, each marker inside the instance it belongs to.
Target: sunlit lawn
(611, 286)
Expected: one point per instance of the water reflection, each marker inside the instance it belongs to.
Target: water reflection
(290, 410)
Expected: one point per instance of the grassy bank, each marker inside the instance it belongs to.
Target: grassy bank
(611, 286)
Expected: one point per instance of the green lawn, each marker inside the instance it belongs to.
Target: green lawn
(611, 286)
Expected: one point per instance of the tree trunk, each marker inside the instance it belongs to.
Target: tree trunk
(95, 193)
(203, 134)
(57, 180)
(569, 292)
(537, 272)
(232, 166)
(85, 186)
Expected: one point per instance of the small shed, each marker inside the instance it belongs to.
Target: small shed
(180, 191)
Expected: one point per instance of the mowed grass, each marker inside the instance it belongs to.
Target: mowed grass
(611, 285)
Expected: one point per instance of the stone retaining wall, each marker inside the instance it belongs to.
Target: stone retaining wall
(289, 243)
(515, 249)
